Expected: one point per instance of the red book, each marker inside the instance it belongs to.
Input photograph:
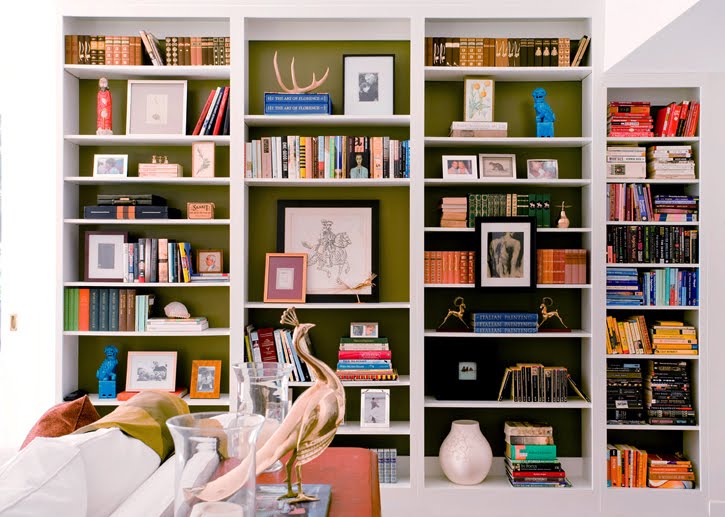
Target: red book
(364, 354)
(538, 474)
(197, 128)
(267, 347)
(661, 124)
(695, 116)
(84, 309)
(220, 115)
(674, 119)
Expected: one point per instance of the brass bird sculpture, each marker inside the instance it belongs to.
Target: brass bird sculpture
(307, 430)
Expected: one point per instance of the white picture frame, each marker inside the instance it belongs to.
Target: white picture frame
(459, 167)
(478, 99)
(375, 408)
(151, 371)
(497, 167)
(363, 329)
(542, 169)
(110, 165)
(104, 257)
(368, 84)
(202, 159)
(156, 107)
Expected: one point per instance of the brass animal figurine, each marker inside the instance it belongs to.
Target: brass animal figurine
(295, 88)
(307, 430)
(458, 302)
(546, 314)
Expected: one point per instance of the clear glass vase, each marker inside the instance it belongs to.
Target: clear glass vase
(208, 445)
(263, 389)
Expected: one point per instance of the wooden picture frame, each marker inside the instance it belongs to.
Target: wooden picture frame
(110, 165)
(506, 252)
(151, 371)
(203, 159)
(209, 261)
(478, 95)
(368, 84)
(285, 278)
(206, 379)
(459, 167)
(104, 257)
(375, 408)
(496, 167)
(156, 107)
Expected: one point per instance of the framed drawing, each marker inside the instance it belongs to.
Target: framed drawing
(497, 166)
(110, 165)
(364, 329)
(285, 277)
(506, 252)
(202, 159)
(478, 99)
(151, 371)
(206, 378)
(542, 169)
(340, 239)
(156, 108)
(209, 261)
(459, 167)
(368, 84)
(104, 257)
(375, 408)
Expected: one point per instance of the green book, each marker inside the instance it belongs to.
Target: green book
(531, 452)
(363, 340)
(75, 297)
(532, 205)
(103, 310)
(547, 210)
(66, 309)
(94, 316)
(539, 201)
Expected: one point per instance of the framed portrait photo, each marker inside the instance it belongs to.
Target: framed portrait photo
(206, 378)
(375, 408)
(104, 257)
(285, 277)
(156, 107)
(209, 261)
(340, 239)
(506, 252)
(110, 165)
(497, 166)
(459, 167)
(478, 99)
(202, 159)
(151, 371)
(368, 84)
(364, 329)
(542, 169)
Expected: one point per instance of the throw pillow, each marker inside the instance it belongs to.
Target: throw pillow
(63, 419)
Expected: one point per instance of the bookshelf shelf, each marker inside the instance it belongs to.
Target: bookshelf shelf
(538, 230)
(146, 71)
(575, 333)
(653, 356)
(223, 400)
(330, 182)
(511, 74)
(145, 140)
(326, 120)
(538, 286)
(655, 181)
(572, 403)
(403, 380)
(563, 183)
(150, 222)
(444, 141)
(653, 307)
(396, 428)
(344, 306)
(200, 182)
(675, 140)
(200, 333)
(142, 285)
(652, 265)
(652, 223)
(647, 427)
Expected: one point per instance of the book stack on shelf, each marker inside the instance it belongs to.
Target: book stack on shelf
(275, 345)
(160, 170)
(461, 128)
(130, 206)
(84, 49)
(534, 382)
(214, 117)
(668, 393)
(678, 208)
(192, 324)
(504, 322)
(652, 244)
(629, 336)
(531, 459)
(626, 466)
(623, 287)
(567, 266)
(387, 465)
(625, 393)
(674, 338)
(677, 119)
(629, 119)
(670, 162)
(365, 359)
(670, 471)
(626, 162)
(634, 202)
(453, 212)
(105, 310)
(297, 103)
(510, 205)
(449, 267)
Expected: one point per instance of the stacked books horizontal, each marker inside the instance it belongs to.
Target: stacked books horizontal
(105, 310)
(365, 359)
(130, 206)
(667, 286)
(624, 286)
(193, 324)
(276, 346)
(387, 465)
(504, 322)
(674, 337)
(297, 104)
(625, 395)
(160, 170)
(677, 119)
(534, 382)
(629, 336)
(626, 162)
(670, 471)
(634, 202)
(630, 119)
(449, 267)
(676, 208)
(566, 266)
(530, 456)
(510, 205)
(478, 129)
(454, 212)
(626, 466)
(214, 117)
(670, 162)
(84, 49)
(668, 392)
(652, 245)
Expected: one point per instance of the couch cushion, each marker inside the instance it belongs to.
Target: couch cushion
(155, 497)
(63, 419)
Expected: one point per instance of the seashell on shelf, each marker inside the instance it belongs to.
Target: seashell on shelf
(176, 310)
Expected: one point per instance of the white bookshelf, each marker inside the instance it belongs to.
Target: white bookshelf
(533, 142)
(326, 120)
(511, 74)
(145, 140)
(146, 72)
(328, 182)
(150, 222)
(186, 182)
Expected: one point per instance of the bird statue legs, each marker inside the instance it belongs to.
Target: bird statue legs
(291, 496)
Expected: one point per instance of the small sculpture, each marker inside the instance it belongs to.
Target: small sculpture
(563, 221)
(176, 310)
(544, 116)
(106, 374)
(159, 159)
(104, 109)
(295, 88)
(546, 314)
(458, 315)
(368, 282)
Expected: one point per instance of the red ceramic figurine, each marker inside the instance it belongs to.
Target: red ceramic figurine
(104, 109)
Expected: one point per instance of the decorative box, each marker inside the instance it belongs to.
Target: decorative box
(200, 210)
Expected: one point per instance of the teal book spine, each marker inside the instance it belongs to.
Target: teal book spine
(94, 316)
(113, 310)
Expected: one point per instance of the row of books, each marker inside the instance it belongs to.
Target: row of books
(159, 260)
(625, 397)
(505, 52)
(672, 287)
(275, 345)
(634, 202)
(635, 119)
(509, 205)
(196, 51)
(629, 119)
(530, 456)
(84, 49)
(652, 245)
(630, 467)
(105, 310)
(214, 117)
(387, 465)
(561, 266)
(356, 157)
(365, 359)
(629, 336)
(504, 322)
(667, 388)
(677, 119)
(449, 267)
(534, 382)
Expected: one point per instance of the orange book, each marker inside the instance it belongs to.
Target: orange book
(84, 309)
(123, 396)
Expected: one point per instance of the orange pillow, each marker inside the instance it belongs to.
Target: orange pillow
(63, 419)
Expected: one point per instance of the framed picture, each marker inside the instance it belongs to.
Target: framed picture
(151, 371)
(209, 261)
(375, 408)
(105, 260)
(506, 252)
(202, 159)
(457, 167)
(465, 373)
(542, 169)
(110, 165)
(156, 108)
(364, 329)
(368, 84)
(340, 239)
(206, 377)
(497, 166)
(478, 99)
(285, 277)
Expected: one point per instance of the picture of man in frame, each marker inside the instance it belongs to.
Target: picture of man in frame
(505, 254)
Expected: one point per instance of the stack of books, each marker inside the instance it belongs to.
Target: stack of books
(670, 471)
(193, 324)
(387, 465)
(504, 322)
(209, 277)
(531, 456)
(623, 285)
(629, 336)
(674, 338)
(478, 129)
(297, 104)
(668, 393)
(626, 162)
(365, 359)
(276, 346)
(454, 212)
(629, 119)
(625, 396)
(626, 466)
(561, 266)
(678, 119)
(449, 267)
(670, 162)
(678, 208)
(160, 170)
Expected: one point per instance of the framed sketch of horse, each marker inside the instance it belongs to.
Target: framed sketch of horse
(340, 239)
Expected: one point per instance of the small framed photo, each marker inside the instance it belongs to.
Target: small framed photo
(497, 166)
(542, 169)
(110, 165)
(461, 167)
(104, 257)
(202, 159)
(206, 378)
(375, 408)
(209, 261)
(156, 107)
(151, 371)
(285, 277)
(478, 99)
(506, 252)
(368, 84)
(364, 329)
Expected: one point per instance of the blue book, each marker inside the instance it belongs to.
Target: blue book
(505, 330)
(296, 98)
(297, 109)
(362, 366)
(500, 324)
(103, 306)
(504, 316)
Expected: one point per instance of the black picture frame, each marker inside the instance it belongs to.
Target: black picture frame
(494, 269)
(291, 216)
(455, 383)
(350, 108)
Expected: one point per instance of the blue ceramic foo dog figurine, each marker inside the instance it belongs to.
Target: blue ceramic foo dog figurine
(106, 374)
(544, 116)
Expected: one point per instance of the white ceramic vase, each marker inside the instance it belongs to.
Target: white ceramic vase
(465, 454)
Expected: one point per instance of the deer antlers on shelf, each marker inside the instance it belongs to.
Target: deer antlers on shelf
(295, 88)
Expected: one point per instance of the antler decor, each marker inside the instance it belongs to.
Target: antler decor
(295, 88)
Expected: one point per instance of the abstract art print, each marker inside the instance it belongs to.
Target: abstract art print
(506, 252)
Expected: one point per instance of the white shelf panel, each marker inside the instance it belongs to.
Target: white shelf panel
(197, 333)
(654, 140)
(655, 181)
(650, 266)
(223, 400)
(147, 140)
(444, 141)
(349, 306)
(572, 403)
(133, 285)
(403, 476)
(403, 380)
(538, 286)
(653, 356)
(512, 74)
(646, 427)
(326, 120)
(396, 428)
(653, 307)
(652, 223)
(88, 180)
(575, 333)
(329, 182)
(517, 182)
(138, 72)
(149, 222)
(539, 230)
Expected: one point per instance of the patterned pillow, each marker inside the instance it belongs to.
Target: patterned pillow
(63, 419)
